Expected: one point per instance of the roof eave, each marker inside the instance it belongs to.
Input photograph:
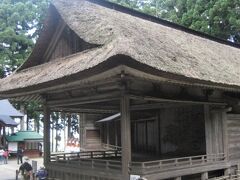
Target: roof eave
(115, 67)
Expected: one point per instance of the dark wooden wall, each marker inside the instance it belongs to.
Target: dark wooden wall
(167, 132)
(182, 131)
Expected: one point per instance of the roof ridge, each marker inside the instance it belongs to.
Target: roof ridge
(163, 22)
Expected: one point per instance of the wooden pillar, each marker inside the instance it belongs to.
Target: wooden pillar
(225, 135)
(208, 131)
(79, 130)
(107, 134)
(204, 176)
(82, 130)
(22, 110)
(157, 134)
(116, 133)
(125, 136)
(46, 136)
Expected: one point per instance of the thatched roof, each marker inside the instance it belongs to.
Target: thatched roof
(154, 45)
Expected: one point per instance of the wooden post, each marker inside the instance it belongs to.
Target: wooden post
(108, 135)
(227, 172)
(157, 134)
(178, 178)
(82, 130)
(22, 110)
(204, 176)
(125, 135)
(79, 129)
(46, 136)
(208, 131)
(116, 134)
(225, 135)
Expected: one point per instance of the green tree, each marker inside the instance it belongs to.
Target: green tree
(219, 18)
(20, 22)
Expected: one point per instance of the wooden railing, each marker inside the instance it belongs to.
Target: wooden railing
(113, 147)
(230, 177)
(85, 155)
(101, 160)
(94, 164)
(142, 168)
(89, 160)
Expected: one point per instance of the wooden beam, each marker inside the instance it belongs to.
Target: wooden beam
(46, 137)
(84, 110)
(106, 85)
(84, 100)
(157, 99)
(125, 136)
(156, 106)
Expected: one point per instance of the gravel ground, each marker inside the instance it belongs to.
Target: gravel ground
(8, 171)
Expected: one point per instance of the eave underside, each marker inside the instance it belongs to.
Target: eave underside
(101, 93)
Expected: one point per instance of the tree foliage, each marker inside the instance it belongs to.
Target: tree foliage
(219, 18)
(20, 21)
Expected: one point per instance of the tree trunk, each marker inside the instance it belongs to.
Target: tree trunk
(52, 133)
(27, 123)
(63, 115)
(56, 132)
(69, 126)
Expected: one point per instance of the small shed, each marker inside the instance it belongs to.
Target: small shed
(29, 141)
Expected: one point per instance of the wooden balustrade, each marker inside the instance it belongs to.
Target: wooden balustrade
(171, 164)
(98, 160)
(113, 147)
(230, 177)
(85, 155)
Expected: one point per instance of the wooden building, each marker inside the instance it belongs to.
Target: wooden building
(161, 99)
(30, 141)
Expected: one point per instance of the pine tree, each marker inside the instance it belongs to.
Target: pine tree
(20, 21)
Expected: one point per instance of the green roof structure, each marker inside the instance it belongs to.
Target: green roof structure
(24, 136)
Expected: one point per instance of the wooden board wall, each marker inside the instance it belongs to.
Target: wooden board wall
(67, 44)
(90, 132)
(233, 134)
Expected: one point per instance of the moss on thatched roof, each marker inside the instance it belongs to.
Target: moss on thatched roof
(155, 45)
